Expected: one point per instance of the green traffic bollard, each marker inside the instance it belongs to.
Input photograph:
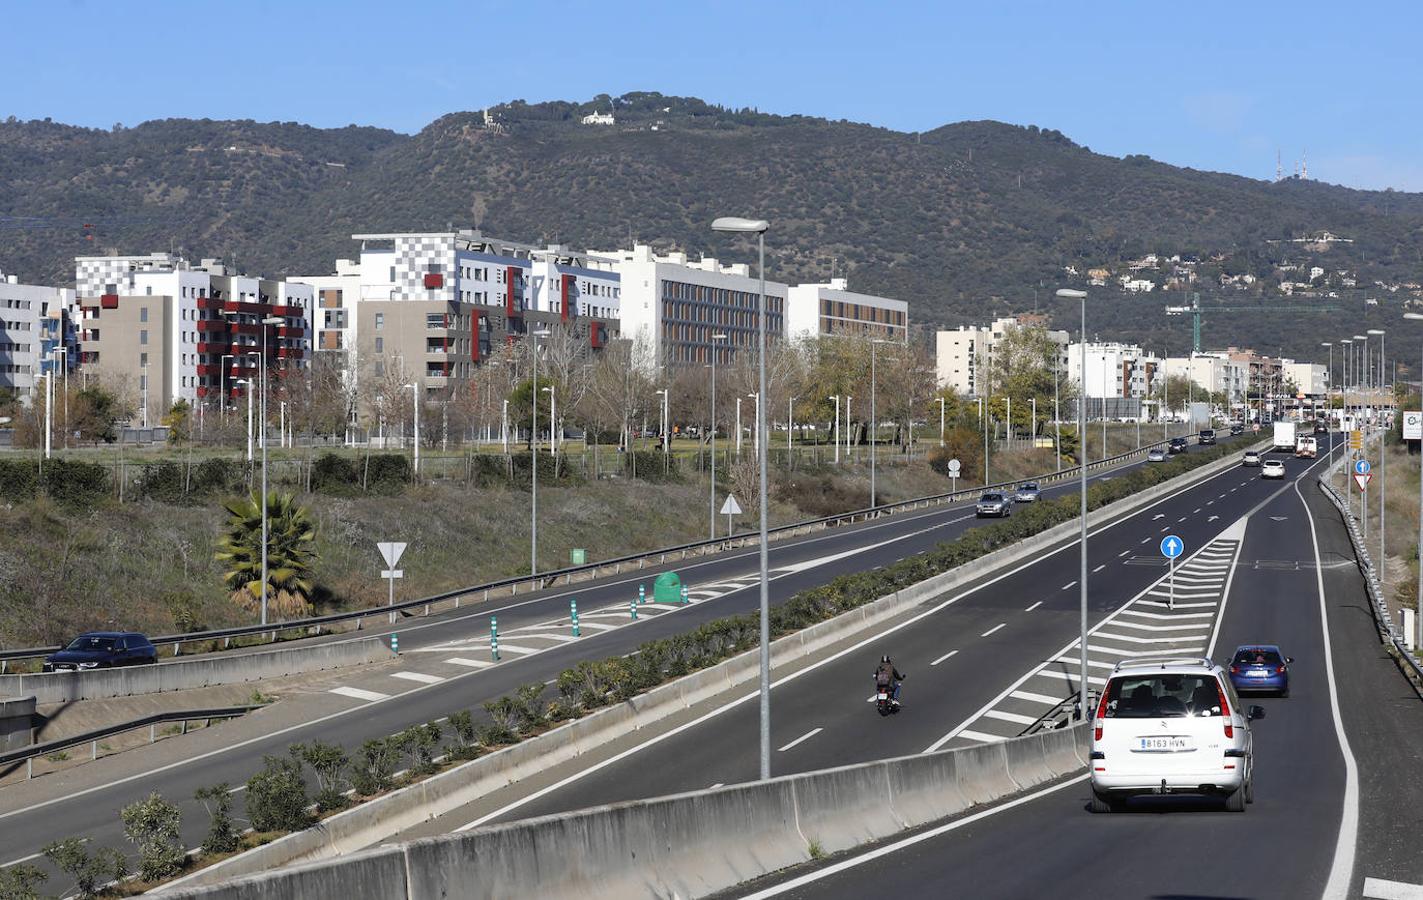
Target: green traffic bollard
(684, 593)
(573, 609)
(494, 637)
(641, 594)
(632, 608)
(395, 644)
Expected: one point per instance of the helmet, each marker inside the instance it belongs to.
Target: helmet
(885, 658)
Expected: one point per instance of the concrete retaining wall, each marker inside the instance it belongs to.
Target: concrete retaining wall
(17, 723)
(187, 674)
(370, 823)
(688, 845)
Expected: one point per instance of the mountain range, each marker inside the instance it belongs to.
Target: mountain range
(970, 220)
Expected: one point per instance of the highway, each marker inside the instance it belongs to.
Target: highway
(962, 653)
(443, 668)
(1315, 829)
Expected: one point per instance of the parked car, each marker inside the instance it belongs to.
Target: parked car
(1178, 445)
(994, 504)
(1261, 667)
(1028, 492)
(1207, 436)
(1251, 459)
(1169, 726)
(1272, 468)
(1156, 454)
(103, 650)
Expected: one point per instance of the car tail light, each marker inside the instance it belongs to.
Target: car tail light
(1101, 715)
(1280, 670)
(1235, 670)
(1224, 710)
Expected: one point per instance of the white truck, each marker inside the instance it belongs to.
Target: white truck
(1306, 447)
(1285, 436)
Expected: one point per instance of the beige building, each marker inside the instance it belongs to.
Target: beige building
(126, 342)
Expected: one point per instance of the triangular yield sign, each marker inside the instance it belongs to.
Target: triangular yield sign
(1363, 480)
(731, 507)
(390, 551)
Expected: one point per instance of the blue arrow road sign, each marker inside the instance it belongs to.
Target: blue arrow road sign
(1171, 546)
(1362, 467)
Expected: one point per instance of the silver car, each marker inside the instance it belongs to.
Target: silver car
(994, 503)
(1251, 459)
(1156, 454)
(1028, 492)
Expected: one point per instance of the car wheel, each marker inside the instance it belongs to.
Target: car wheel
(1103, 804)
(1235, 800)
(1250, 790)
(1285, 694)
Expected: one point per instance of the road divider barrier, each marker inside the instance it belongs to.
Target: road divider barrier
(686, 845)
(381, 818)
(195, 672)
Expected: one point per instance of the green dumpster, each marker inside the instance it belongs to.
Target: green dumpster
(667, 588)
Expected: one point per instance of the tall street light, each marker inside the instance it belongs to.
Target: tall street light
(941, 420)
(874, 421)
(266, 322)
(1328, 380)
(534, 461)
(415, 403)
(662, 392)
(836, 432)
(1081, 296)
(1418, 317)
(1344, 382)
(1383, 455)
(758, 227)
(712, 507)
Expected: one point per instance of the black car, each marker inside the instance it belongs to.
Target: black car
(1207, 436)
(1321, 427)
(103, 650)
(1177, 445)
(1236, 428)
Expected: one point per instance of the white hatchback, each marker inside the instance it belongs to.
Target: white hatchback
(1272, 468)
(1171, 726)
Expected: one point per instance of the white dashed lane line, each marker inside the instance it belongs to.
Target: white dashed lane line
(1068, 585)
(1099, 568)
(417, 676)
(358, 694)
(944, 657)
(994, 628)
(805, 737)
(1034, 606)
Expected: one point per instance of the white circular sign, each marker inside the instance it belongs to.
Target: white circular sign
(955, 465)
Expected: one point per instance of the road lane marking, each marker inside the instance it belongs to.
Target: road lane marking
(469, 663)
(993, 629)
(1375, 888)
(1034, 606)
(1068, 585)
(1099, 568)
(940, 659)
(1036, 698)
(358, 694)
(1123, 553)
(1015, 718)
(417, 676)
(1146, 540)
(982, 737)
(805, 737)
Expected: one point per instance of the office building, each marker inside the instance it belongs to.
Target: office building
(814, 310)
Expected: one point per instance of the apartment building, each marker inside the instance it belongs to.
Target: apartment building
(673, 306)
(1114, 369)
(963, 356)
(833, 309)
(35, 322)
(434, 305)
(166, 329)
(1214, 371)
(1310, 379)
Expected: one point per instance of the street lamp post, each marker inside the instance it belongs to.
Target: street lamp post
(738, 427)
(874, 421)
(836, 398)
(1383, 456)
(712, 508)
(266, 323)
(552, 419)
(534, 461)
(1344, 381)
(1082, 491)
(1033, 424)
(415, 402)
(849, 432)
(1417, 317)
(941, 421)
(758, 227)
(1056, 413)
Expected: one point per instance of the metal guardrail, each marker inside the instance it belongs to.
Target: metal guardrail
(1389, 632)
(28, 754)
(547, 579)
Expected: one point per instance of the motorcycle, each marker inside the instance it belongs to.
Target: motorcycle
(884, 702)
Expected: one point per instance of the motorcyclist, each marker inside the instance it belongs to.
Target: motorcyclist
(887, 677)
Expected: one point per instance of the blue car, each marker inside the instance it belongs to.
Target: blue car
(103, 650)
(1260, 668)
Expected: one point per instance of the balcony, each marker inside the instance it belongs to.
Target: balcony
(251, 307)
(291, 331)
(211, 304)
(297, 311)
(212, 325)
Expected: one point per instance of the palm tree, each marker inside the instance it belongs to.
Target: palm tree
(291, 536)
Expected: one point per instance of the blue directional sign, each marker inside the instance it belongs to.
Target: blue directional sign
(1172, 546)
(1362, 467)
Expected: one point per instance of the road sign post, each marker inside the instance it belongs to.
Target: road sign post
(730, 508)
(390, 551)
(954, 468)
(1172, 547)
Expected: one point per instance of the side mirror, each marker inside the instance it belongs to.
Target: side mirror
(1289, 659)
(1255, 712)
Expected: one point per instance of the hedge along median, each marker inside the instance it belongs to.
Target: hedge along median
(585, 688)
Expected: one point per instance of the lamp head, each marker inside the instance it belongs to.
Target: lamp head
(738, 225)
(1070, 294)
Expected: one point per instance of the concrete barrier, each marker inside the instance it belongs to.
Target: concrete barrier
(17, 723)
(377, 820)
(197, 672)
(688, 845)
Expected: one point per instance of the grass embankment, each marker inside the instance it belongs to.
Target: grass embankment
(1396, 481)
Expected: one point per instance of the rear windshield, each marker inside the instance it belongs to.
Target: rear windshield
(1158, 695)
(1207, 433)
(1030, 486)
(1257, 657)
(91, 643)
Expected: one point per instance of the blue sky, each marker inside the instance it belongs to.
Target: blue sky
(1210, 85)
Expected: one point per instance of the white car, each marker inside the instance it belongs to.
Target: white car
(1171, 726)
(1272, 468)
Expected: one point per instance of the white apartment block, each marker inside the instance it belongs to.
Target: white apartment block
(814, 310)
(173, 330)
(1311, 379)
(34, 320)
(1215, 372)
(1114, 369)
(964, 356)
(672, 307)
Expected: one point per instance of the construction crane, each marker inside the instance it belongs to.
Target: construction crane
(1195, 310)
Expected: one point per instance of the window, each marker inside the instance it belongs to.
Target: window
(380, 345)
(380, 320)
(380, 369)
(143, 359)
(143, 314)
(1160, 695)
(143, 336)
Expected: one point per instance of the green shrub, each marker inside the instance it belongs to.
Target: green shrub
(329, 762)
(215, 475)
(163, 482)
(276, 796)
(333, 473)
(19, 479)
(222, 834)
(21, 881)
(387, 472)
(151, 825)
(373, 765)
(90, 871)
(75, 483)
(650, 465)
